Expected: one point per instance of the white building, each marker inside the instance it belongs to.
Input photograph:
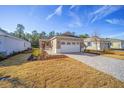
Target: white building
(63, 44)
(10, 44)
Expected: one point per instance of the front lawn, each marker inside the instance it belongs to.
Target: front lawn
(59, 72)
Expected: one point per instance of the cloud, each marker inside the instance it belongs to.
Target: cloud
(115, 21)
(71, 7)
(57, 11)
(32, 10)
(103, 12)
(76, 21)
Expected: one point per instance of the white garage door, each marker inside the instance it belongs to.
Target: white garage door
(70, 48)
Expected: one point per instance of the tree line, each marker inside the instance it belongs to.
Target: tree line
(34, 36)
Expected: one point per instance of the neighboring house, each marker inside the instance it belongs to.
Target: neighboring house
(116, 43)
(63, 44)
(96, 43)
(10, 44)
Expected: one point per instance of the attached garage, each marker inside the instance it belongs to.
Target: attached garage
(66, 44)
(71, 46)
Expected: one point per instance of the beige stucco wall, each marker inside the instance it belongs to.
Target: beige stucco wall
(53, 42)
(63, 48)
(93, 45)
(116, 45)
(97, 46)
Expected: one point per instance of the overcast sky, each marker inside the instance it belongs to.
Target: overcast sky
(108, 21)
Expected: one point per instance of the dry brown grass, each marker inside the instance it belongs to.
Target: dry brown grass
(114, 56)
(61, 72)
(121, 53)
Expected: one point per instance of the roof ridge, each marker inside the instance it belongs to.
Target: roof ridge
(9, 35)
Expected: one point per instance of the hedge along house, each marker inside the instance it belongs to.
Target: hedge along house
(63, 44)
(10, 44)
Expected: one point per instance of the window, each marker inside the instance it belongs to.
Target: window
(68, 43)
(77, 43)
(63, 43)
(73, 43)
(24, 45)
(119, 45)
(110, 44)
(58, 45)
(89, 44)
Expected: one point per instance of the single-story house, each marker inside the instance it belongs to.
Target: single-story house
(10, 44)
(63, 44)
(96, 43)
(116, 43)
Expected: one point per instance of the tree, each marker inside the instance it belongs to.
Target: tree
(12, 33)
(84, 36)
(28, 37)
(52, 33)
(43, 34)
(35, 38)
(20, 31)
(57, 33)
(68, 33)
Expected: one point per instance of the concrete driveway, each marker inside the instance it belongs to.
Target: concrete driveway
(114, 67)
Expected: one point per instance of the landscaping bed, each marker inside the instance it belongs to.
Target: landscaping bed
(38, 54)
(94, 52)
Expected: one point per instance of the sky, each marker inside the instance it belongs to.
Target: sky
(107, 21)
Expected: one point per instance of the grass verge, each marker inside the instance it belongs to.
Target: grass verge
(114, 56)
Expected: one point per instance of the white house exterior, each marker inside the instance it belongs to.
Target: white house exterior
(10, 44)
(65, 44)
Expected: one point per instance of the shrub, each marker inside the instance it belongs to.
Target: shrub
(93, 51)
(108, 52)
(36, 52)
(2, 56)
